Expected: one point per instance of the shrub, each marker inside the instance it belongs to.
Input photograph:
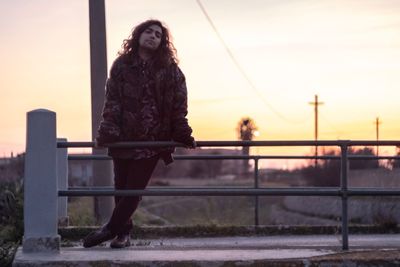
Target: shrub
(11, 220)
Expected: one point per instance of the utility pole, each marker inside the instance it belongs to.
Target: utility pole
(102, 174)
(316, 104)
(377, 123)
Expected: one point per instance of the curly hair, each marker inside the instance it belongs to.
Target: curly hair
(165, 54)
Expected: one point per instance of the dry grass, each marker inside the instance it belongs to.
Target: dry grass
(80, 211)
(196, 210)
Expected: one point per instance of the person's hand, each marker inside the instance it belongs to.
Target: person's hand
(97, 144)
(191, 145)
(194, 145)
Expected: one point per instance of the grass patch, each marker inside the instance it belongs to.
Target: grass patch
(197, 210)
(80, 211)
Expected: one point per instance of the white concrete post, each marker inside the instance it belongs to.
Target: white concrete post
(40, 183)
(62, 175)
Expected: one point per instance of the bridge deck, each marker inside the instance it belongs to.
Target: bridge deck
(383, 250)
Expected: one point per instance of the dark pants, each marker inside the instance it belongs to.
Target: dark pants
(129, 174)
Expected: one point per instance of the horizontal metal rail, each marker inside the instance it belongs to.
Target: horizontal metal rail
(206, 157)
(316, 191)
(238, 157)
(206, 192)
(354, 191)
(165, 187)
(61, 144)
(369, 191)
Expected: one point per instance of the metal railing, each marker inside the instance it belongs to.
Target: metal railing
(343, 191)
(46, 164)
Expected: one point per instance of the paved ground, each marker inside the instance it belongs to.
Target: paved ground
(316, 250)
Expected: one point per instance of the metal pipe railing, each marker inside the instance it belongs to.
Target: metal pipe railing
(343, 191)
(207, 192)
(44, 176)
(236, 143)
(179, 191)
(343, 186)
(257, 204)
(253, 157)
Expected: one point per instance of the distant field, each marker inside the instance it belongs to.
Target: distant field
(195, 210)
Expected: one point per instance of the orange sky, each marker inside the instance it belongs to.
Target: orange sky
(347, 52)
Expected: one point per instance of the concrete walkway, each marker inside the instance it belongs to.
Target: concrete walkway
(316, 250)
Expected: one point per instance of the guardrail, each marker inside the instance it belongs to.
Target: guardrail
(79, 192)
(41, 169)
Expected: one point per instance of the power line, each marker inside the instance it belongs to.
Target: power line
(334, 129)
(239, 67)
(208, 100)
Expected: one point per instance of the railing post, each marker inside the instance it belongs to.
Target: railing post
(343, 186)
(256, 212)
(62, 176)
(40, 183)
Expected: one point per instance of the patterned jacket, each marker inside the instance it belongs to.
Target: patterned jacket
(144, 106)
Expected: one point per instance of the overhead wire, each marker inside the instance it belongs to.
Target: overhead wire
(241, 70)
(211, 100)
(334, 129)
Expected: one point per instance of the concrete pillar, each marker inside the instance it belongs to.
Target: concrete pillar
(40, 183)
(62, 176)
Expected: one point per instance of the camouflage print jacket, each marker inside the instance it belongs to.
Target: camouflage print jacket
(141, 106)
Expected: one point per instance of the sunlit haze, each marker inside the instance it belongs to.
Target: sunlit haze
(346, 52)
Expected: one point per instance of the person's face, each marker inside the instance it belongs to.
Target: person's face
(150, 39)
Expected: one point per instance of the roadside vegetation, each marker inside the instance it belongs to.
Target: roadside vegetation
(11, 209)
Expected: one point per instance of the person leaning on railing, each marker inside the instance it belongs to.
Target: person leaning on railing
(146, 100)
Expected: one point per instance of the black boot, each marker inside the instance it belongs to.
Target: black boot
(97, 237)
(121, 241)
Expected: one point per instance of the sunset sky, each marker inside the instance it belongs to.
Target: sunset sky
(347, 52)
